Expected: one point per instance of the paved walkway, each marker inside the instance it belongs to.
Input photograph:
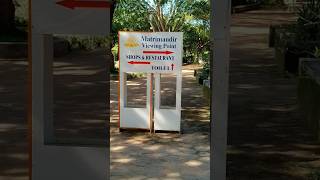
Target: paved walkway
(140, 156)
(80, 111)
(268, 139)
(13, 129)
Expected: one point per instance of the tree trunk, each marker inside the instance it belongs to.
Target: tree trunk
(7, 15)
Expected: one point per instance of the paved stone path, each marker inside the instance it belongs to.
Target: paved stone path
(13, 129)
(80, 111)
(139, 156)
(268, 139)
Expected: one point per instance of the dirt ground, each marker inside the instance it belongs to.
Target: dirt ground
(267, 136)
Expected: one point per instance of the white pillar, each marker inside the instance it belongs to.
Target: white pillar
(220, 36)
(53, 159)
(42, 89)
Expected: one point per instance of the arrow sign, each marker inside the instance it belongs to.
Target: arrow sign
(139, 62)
(72, 4)
(158, 52)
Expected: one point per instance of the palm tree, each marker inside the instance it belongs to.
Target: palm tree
(167, 15)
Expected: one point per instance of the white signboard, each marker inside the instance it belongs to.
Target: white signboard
(154, 52)
(89, 17)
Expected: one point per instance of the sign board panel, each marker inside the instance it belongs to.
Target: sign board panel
(154, 52)
(88, 17)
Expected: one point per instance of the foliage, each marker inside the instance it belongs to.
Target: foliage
(308, 27)
(316, 53)
(130, 15)
(88, 42)
(197, 31)
(114, 51)
(135, 75)
(21, 11)
(168, 15)
(284, 35)
(205, 73)
(17, 32)
(308, 23)
(314, 175)
(201, 11)
(188, 16)
(304, 36)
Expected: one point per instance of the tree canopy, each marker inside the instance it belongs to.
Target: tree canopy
(188, 16)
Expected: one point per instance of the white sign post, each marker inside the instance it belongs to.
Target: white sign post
(157, 53)
(54, 159)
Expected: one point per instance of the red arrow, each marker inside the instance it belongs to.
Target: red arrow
(157, 52)
(139, 62)
(71, 4)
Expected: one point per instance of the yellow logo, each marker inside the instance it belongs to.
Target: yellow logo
(131, 42)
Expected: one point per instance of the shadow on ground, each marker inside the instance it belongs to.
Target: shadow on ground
(268, 138)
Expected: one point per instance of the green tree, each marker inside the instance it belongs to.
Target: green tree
(155, 15)
(168, 15)
(197, 36)
(188, 16)
(131, 15)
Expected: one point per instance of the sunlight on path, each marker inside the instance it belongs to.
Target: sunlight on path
(139, 156)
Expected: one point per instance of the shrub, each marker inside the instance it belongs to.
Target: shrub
(308, 23)
(87, 42)
(316, 53)
(314, 175)
(135, 75)
(21, 10)
(205, 71)
(307, 35)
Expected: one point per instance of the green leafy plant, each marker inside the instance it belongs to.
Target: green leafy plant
(314, 175)
(87, 42)
(135, 75)
(205, 73)
(308, 21)
(307, 35)
(317, 52)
